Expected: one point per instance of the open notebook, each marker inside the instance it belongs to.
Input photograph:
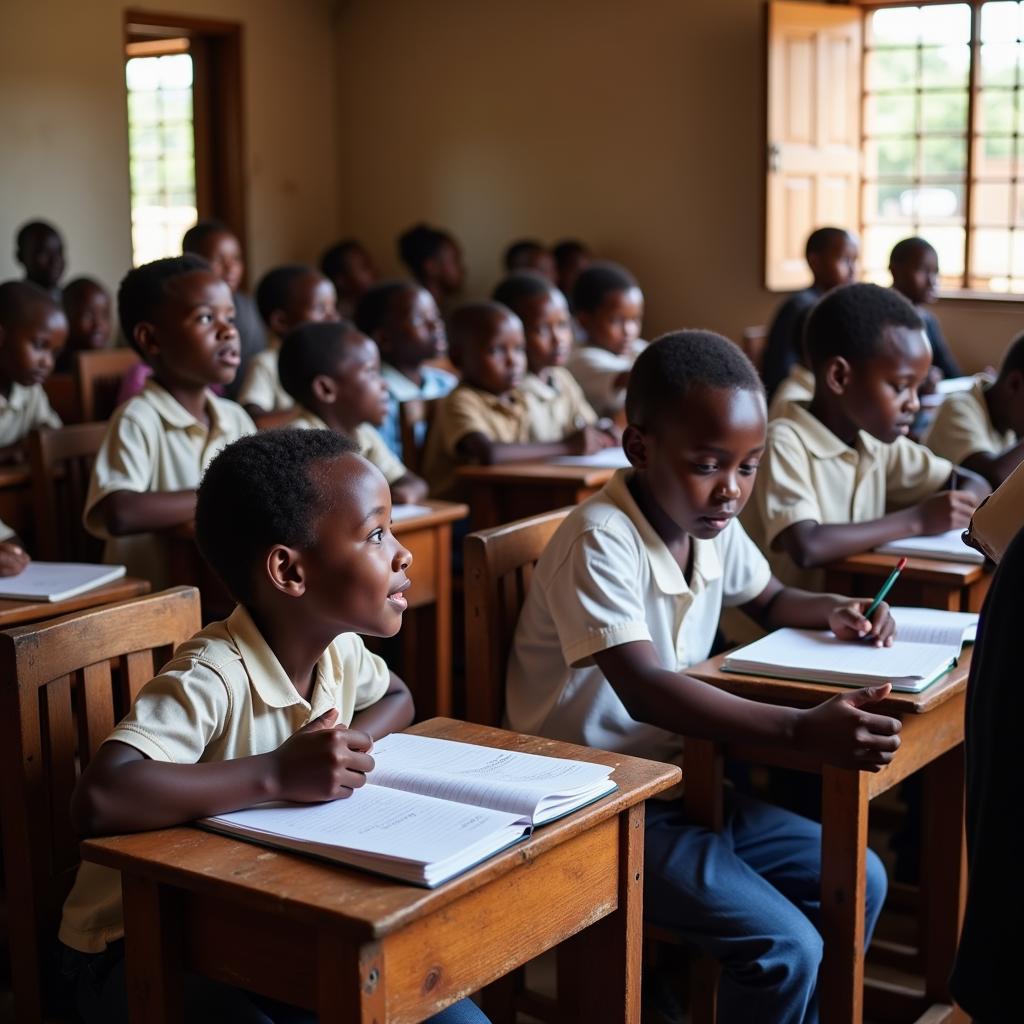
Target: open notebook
(928, 643)
(430, 810)
(606, 458)
(400, 513)
(948, 546)
(56, 581)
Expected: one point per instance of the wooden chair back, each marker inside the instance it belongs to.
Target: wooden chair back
(499, 567)
(62, 391)
(410, 415)
(61, 462)
(99, 374)
(753, 344)
(58, 702)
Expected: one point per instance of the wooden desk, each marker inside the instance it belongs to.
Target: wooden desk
(932, 739)
(358, 948)
(502, 494)
(17, 613)
(925, 582)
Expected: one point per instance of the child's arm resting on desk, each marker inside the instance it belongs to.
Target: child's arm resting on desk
(127, 512)
(481, 449)
(392, 713)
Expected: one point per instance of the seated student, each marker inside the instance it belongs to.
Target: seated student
(333, 374)
(90, 325)
(351, 271)
(983, 428)
(832, 255)
(486, 420)
(609, 306)
(557, 406)
(839, 473)
(529, 254)
(280, 701)
(571, 259)
(434, 259)
(626, 596)
(179, 316)
(404, 321)
(798, 386)
(914, 265)
(40, 250)
(287, 297)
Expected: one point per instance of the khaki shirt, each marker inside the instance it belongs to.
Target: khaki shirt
(154, 444)
(596, 370)
(557, 406)
(807, 473)
(262, 386)
(797, 387)
(23, 410)
(469, 410)
(371, 444)
(223, 695)
(963, 426)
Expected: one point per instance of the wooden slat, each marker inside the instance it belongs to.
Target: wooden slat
(96, 709)
(58, 743)
(136, 670)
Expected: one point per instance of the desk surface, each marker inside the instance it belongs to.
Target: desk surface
(16, 613)
(440, 512)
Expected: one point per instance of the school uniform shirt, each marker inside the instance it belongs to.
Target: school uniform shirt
(808, 473)
(964, 427)
(797, 387)
(503, 419)
(154, 444)
(371, 444)
(782, 348)
(557, 406)
(606, 578)
(262, 386)
(223, 695)
(595, 370)
(24, 410)
(942, 357)
(436, 384)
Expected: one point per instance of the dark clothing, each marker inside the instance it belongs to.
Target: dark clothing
(941, 356)
(784, 337)
(251, 335)
(986, 978)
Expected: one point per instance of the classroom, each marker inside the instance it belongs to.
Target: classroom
(507, 512)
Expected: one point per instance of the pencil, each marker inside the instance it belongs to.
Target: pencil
(886, 587)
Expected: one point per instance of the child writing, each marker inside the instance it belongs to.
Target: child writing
(280, 701)
(179, 316)
(609, 307)
(404, 321)
(625, 597)
(839, 473)
(90, 326)
(333, 374)
(287, 297)
(982, 428)
(434, 259)
(349, 268)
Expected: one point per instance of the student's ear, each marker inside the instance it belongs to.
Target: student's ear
(324, 388)
(278, 323)
(635, 445)
(836, 375)
(285, 570)
(144, 336)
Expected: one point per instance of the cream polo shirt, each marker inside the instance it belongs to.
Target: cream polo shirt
(469, 410)
(23, 410)
(596, 369)
(262, 386)
(223, 695)
(807, 473)
(154, 444)
(371, 444)
(963, 426)
(5, 531)
(606, 579)
(797, 387)
(557, 406)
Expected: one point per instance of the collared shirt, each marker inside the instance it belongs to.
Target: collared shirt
(223, 695)
(596, 370)
(436, 384)
(503, 419)
(154, 444)
(963, 426)
(371, 444)
(797, 387)
(261, 385)
(557, 405)
(606, 578)
(808, 473)
(23, 410)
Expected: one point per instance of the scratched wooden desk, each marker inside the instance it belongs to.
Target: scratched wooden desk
(358, 949)
(932, 740)
(17, 613)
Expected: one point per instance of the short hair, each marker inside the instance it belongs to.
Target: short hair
(275, 285)
(197, 235)
(470, 319)
(566, 250)
(675, 364)
(1014, 358)
(597, 281)
(259, 491)
(76, 289)
(33, 227)
(332, 262)
(822, 238)
(375, 304)
(518, 254)
(849, 322)
(310, 350)
(144, 289)
(419, 244)
(518, 287)
(17, 298)
(906, 248)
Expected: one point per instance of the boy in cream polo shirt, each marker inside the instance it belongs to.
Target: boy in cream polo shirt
(626, 596)
(180, 317)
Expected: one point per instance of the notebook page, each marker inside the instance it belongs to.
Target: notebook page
(54, 581)
(934, 626)
(947, 545)
(607, 458)
(399, 513)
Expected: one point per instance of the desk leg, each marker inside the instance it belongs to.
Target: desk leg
(844, 838)
(153, 973)
(599, 968)
(351, 983)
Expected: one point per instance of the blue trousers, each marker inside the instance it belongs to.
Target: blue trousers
(749, 896)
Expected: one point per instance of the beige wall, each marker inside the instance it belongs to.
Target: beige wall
(64, 150)
(636, 126)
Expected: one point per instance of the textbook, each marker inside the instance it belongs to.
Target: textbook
(928, 643)
(606, 458)
(948, 546)
(430, 809)
(57, 581)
